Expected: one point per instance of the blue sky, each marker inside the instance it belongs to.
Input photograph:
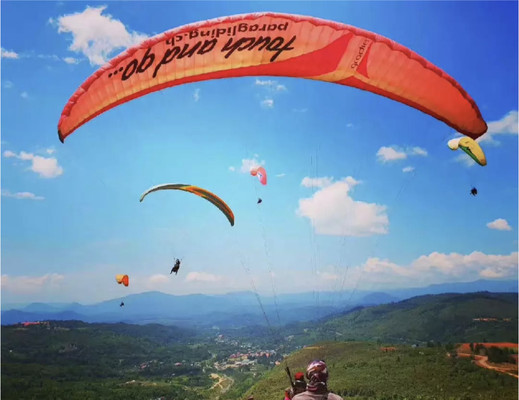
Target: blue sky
(363, 192)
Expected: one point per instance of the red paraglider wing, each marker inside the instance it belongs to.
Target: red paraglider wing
(262, 175)
(276, 45)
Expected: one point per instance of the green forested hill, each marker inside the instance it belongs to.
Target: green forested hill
(77, 361)
(363, 371)
(445, 318)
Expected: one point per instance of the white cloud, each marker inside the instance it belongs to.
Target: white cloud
(45, 167)
(48, 57)
(300, 110)
(96, 35)
(247, 164)
(50, 151)
(499, 224)
(273, 88)
(386, 154)
(54, 57)
(437, 268)
(202, 277)
(196, 95)
(271, 85)
(24, 95)
(328, 276)
(418, 151)
(393, 153)
(9, 54)
(71, 60)
(332, 211)
(8, 84)
(408, 169)
(260, 82)
(492, 273)
(508, 125)
(158, 279)
(349, 125)
(470, 266)
(280, 175)
(267, 103)
(380, 270)
(22, 195)
(25, 156)
(30, 284)
(317, 182)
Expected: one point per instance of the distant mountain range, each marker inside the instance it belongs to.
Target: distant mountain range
(232, 310)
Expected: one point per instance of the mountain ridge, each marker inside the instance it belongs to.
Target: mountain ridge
(227, 309)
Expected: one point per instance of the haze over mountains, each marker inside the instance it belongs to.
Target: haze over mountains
(232, 310)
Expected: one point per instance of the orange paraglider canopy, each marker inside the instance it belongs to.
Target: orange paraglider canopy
(124, 279)
(277, 45)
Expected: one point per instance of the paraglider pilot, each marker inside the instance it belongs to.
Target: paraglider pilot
(316, 387)
(176, 267)
(473, 191)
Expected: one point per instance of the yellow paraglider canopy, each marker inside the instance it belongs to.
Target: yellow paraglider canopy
(469, 146)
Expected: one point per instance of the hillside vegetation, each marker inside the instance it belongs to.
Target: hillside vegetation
(445, 318)
(364, 371)
(76, 360)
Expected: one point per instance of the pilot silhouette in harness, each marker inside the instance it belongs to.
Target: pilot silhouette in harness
(176, 267)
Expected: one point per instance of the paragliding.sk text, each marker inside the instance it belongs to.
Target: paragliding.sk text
(230, 31)
(274, 44)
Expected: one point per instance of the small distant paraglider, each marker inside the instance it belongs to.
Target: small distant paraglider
(260, 173)
(176, 267)
(124, 279)
(473, 191)
(262, 177)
